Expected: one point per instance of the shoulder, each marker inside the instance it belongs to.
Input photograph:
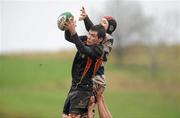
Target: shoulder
(108, 36)
(108, 42)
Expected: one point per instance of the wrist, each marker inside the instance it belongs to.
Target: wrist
(100, 98)
(86, 17)
(73, 33)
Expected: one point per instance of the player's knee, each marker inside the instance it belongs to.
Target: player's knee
(65, 116)
(74, 116)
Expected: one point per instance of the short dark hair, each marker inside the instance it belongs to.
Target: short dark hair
(101, 32)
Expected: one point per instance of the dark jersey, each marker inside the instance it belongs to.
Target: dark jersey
(86, 62)
(107, 44)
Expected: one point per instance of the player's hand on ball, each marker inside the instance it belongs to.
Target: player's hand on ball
(83, 14)
(64, 17)
(70, 25)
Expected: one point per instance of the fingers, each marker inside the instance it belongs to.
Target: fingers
(83, 9)
(83, 14)
(99, 89)
(70, 23)
(66, 25)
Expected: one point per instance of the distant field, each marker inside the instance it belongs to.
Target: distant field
(35, 86)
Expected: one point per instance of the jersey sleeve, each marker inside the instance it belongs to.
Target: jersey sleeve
(93, 51)
(69, 38)
(88, 23)
(108, 45)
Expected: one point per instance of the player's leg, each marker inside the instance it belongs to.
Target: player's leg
(74, 116)
(91, 107)
(100, 84)
(66, 108)
(79, 103)
(65, 116)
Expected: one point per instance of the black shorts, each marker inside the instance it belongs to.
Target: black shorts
(77, 102)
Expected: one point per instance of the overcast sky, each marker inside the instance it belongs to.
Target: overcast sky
(31, 25)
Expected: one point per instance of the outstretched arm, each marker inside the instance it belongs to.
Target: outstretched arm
(87, 22)
(69, 38)
(102, 107)
(94, 53)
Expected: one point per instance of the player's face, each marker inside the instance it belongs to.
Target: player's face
(104, 23)
(93, 38)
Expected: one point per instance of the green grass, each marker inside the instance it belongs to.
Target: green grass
(33, 88)
(17, 71)
(134, 104)
(37, 87)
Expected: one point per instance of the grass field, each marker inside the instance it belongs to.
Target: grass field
(36, 86)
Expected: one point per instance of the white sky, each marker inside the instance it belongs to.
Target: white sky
(31, 25)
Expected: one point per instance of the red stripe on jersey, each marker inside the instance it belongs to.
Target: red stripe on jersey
(88, 65)
(97, 65)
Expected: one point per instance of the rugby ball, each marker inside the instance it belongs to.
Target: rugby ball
(63, 18)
